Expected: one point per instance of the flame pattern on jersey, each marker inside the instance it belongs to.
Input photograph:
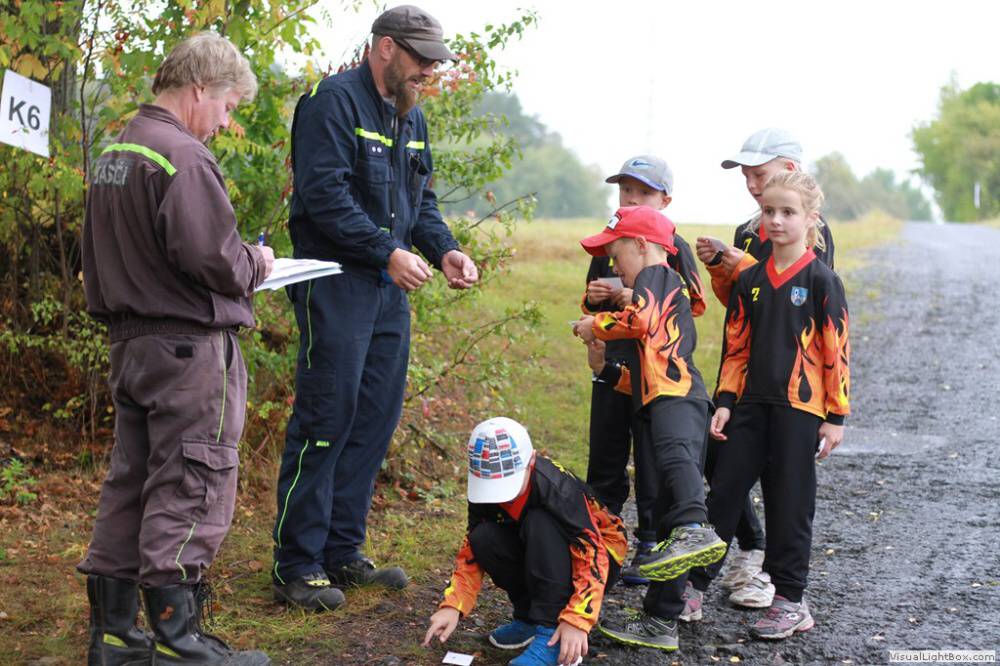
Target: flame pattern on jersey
(660, 320)
(595, 535)
(762, 362)
(736, 352)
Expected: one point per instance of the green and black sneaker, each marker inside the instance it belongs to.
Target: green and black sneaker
(642, 630)
(312, 592)
(685, 549)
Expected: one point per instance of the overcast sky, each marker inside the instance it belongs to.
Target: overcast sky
(689, 81)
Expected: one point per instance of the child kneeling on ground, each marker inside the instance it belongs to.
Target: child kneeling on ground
(543, 537)
(673, 421)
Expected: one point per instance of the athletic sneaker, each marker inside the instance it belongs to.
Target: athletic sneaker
(642, 630)
(630, 573)
(684, 549)
(742, 568)
(783, 619)
(312, 592)
(758, 593)
(539, 652)
(692, 604)
(512, 636)
(364, 572)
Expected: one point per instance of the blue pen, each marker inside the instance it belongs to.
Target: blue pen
(260, 238)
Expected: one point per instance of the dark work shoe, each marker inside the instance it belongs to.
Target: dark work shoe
(175, 617)
(630, 573)
(312, 592)
(684, 549)
(114, 638)
(364, 572)
(642, 630)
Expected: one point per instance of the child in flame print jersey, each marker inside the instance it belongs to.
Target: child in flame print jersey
(543, 537)
(673, 420)
(783, 393)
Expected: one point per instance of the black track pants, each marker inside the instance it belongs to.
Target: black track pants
(777, 445)
(674, 429)
(749, 531)
(530, 561)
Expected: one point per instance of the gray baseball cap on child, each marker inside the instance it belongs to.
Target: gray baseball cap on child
(765, 145)
(649, 169)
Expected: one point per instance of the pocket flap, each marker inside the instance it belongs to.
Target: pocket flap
(211, 454)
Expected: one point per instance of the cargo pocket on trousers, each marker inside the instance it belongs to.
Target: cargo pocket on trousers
(207, 492)
(320, 413)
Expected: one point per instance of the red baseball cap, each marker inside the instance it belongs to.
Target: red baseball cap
(630, 222)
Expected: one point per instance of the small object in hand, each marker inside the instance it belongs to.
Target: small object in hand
(819, 447)
(720, 249)
(457, 659)
(615, 282)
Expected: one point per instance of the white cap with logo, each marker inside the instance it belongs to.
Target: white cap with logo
(765, 145)
(499, 455)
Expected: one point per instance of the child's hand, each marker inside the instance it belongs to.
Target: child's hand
(582, 329)
(572, 643)
(834, 435)
(595, 355)
(719, 421)
(623, 298)
(709, 250)
(599, 291)
(443, 623)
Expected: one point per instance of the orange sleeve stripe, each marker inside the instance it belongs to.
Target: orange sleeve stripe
(466, 581)
(589, 558)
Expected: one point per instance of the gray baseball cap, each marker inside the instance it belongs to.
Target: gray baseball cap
(765, 145)
(649, 169)
(415, 29)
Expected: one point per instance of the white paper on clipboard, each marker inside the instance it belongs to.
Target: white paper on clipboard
(290, 271)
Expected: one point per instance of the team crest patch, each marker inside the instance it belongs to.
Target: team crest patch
(494, 458)
(613, 222)
(799, 295)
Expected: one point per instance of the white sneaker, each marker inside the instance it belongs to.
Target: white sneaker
(742, 568)
(758, 593)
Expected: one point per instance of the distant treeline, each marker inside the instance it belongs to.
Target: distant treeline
(562, 184)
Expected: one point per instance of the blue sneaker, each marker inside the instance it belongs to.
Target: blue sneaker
(512, 636)
(539, 653)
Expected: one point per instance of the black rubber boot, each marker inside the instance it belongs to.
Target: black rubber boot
(175, 616)
(114, 638)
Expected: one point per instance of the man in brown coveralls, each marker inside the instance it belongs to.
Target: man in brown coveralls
(165, 268)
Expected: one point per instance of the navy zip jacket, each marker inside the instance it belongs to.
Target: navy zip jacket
(362, 178)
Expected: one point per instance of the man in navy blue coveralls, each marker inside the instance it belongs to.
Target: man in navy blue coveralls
(362, 168)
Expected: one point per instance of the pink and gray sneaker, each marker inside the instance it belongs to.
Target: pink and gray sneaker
(692, 604)
(783, 619)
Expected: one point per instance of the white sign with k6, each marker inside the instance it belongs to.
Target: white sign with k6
(24, 113)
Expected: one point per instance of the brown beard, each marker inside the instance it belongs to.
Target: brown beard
(397, 86)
